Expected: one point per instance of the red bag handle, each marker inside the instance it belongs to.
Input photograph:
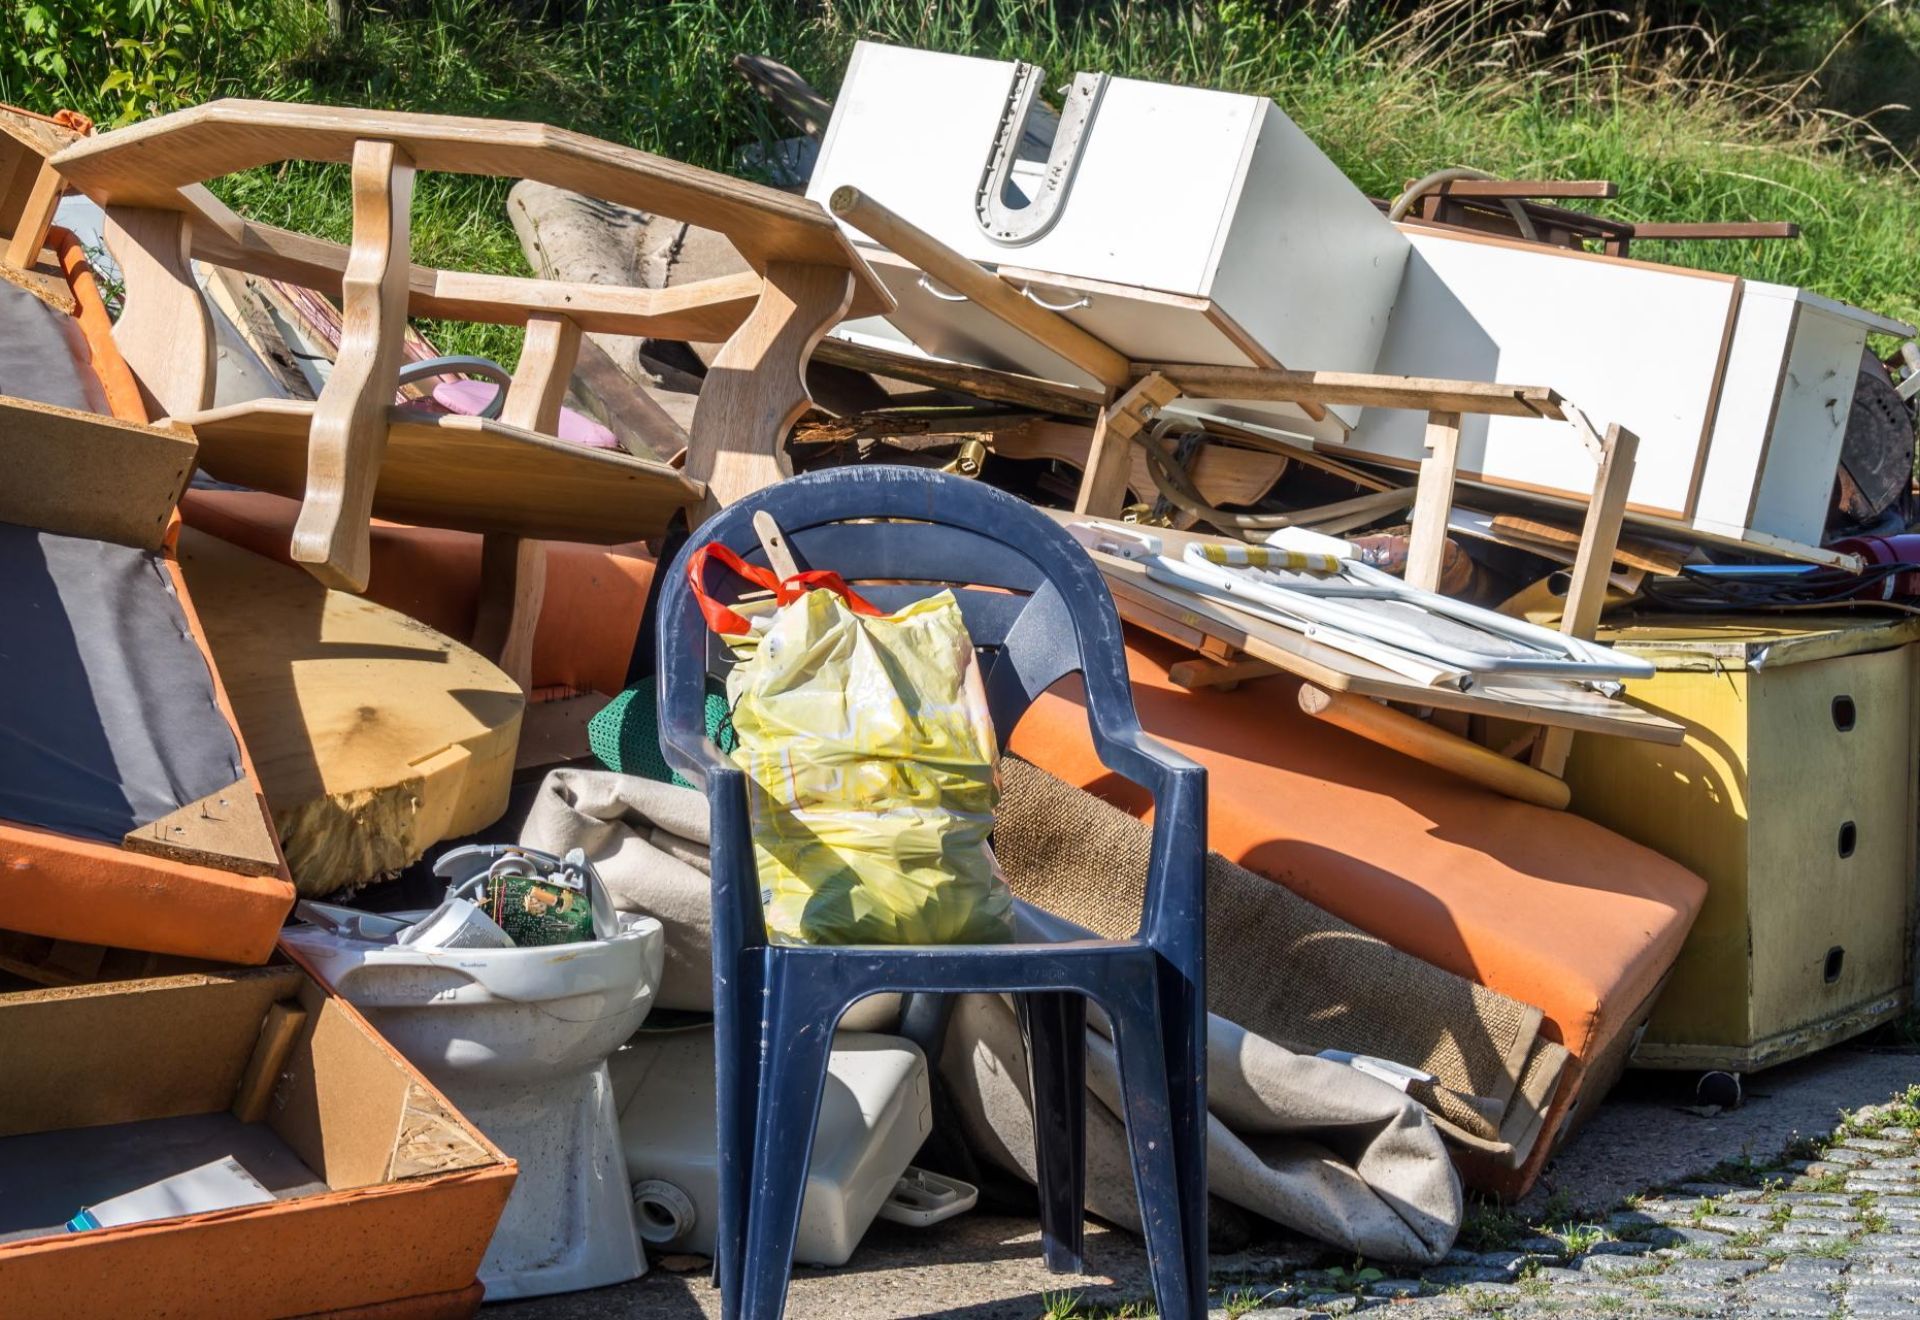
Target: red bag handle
(726, 622)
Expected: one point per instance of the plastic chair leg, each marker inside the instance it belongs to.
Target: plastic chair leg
(1055, 1024)
(737, 1073)
(793, 1076)
(1180, 1290)
(1183, 1023)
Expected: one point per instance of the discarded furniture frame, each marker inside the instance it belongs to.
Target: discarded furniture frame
(350, 455)
(30, 191)
(1488, 205)
(1137, 392)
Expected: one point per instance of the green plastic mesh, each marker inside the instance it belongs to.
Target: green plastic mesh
(625, 735)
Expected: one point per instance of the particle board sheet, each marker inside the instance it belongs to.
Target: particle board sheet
(1628, 342)
(109, 719)
(471, 474)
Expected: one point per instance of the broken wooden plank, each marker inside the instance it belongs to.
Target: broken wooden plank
(1357, 389)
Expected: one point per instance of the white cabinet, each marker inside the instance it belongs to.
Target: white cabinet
(1187, 224)
(1738, 390)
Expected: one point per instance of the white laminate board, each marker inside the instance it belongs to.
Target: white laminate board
(1628, 342)
(1749, 393)
(1803, 449)
(1311, 267)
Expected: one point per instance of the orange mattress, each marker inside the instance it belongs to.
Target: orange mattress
(1540, 905)
(588, 618)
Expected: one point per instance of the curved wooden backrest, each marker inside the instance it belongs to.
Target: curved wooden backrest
(151, 179)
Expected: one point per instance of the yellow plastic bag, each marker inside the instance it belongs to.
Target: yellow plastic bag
(872, 769)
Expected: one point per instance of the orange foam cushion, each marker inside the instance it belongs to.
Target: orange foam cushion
(588, 618)
(1540, 905)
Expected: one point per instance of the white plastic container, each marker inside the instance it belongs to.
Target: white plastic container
(874, 1115)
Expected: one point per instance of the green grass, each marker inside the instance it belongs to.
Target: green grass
(1682, 118)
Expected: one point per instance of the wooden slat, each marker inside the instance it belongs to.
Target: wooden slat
(1591, 567)
(147, 164)
(982, 383)
(1522, 189)
(1433, 502)
(1724, 229)
(466, 473)
(84, 475)
(1263, 384)
(1049, 329)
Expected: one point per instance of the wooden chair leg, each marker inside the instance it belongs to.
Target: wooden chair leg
(1103, 487)
(1592, 564)
(349, 433)
(756, 389)
(1433, 501)
(165, 332)
(513, 570)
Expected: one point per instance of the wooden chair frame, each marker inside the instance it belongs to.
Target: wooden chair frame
(151, 180)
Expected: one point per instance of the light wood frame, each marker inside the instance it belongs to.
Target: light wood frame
(151, 179)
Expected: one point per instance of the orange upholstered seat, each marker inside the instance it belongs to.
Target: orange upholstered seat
(588, 618)
(1540, 905)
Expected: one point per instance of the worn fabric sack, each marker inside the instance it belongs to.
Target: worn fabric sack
(871, 763)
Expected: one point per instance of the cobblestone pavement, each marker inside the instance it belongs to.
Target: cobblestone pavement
(1835, 1235)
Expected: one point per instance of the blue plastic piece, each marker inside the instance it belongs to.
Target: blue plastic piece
(776, 1007)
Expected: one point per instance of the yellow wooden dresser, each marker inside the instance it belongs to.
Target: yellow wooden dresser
(1794, 798)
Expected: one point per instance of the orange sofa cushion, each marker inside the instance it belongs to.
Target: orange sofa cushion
(1540, 905)
(588, 618)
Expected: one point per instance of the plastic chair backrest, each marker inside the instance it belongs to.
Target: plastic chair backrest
(1035, 604)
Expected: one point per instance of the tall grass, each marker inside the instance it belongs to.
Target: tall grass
(1693, 122)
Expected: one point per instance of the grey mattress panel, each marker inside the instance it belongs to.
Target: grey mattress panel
(43, 355)
(108, 718)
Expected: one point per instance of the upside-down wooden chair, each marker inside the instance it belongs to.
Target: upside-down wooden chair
(352, 455)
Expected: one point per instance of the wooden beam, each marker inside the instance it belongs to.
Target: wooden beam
(1357, 389)
(756, 388)
(349, 433)
(964, 276)
(1446, 751)
(1433, 501)
(228, 830)
(1591, 566)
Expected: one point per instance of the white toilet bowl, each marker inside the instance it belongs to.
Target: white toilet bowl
(518, 1039)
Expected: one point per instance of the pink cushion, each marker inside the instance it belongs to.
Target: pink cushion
(470, 398)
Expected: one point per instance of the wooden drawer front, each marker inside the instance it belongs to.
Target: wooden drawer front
(1831, 835)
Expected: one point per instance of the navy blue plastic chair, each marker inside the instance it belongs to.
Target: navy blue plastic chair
(775, 1007)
